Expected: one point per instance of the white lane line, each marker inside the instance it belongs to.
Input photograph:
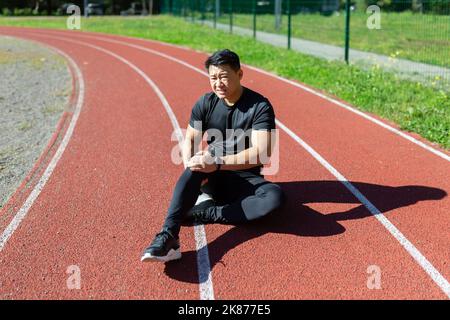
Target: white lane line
(203, 262)
(203, 265)
(435, 275)
(358, 112)
(406, 244)
(321, 95)
(23, 211)
(340, 104)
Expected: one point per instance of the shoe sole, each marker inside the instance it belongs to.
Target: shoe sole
(171, 255)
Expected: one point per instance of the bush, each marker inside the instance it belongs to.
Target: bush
(23, 12)
(383, 4)
(439, 6)
(6, 12)
(426, 6)
(401, 5)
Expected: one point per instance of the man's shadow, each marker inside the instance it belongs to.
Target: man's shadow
(296, 218)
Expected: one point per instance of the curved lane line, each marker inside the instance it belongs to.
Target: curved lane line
(23, 211)
(310, 90)
(358, 112)
(203, 263)
(19, 196)
(426, 265)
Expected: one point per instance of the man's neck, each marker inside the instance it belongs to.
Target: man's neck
(232, 100)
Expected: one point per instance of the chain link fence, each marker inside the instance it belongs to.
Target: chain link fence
(410, 37)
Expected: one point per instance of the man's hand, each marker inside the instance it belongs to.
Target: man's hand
(202, 161)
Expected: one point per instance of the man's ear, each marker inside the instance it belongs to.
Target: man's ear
(241, 74)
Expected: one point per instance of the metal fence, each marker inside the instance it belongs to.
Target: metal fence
(411, 37)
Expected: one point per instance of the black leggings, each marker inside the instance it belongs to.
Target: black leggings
(240, 196)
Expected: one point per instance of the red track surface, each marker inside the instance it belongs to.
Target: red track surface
(108, 195)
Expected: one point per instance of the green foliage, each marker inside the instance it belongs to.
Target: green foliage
(425, 6)
(6, 12)
(22, 12)
(417, 37)
(415, 107)
(439, 6)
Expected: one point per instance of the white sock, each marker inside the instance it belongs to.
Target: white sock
(203, 197)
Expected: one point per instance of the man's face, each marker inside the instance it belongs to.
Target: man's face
(225, 82)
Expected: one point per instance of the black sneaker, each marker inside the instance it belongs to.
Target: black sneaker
(193, 216)
(165, 247)
(200, 214)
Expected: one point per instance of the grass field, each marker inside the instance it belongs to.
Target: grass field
(415, 107)
(421, 38)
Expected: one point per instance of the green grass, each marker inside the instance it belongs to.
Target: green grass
(415, 107)
(416, 37)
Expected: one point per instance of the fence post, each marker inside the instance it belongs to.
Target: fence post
(85, 3)
(289, 23)
(278, 14)
(202, 8)
(347, 29)
(254, 19)
(215, 14)
(231, 15)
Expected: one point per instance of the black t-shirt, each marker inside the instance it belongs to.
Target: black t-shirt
(229, 128)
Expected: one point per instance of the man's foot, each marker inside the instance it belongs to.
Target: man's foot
(165, 247)
(192, 217)
(201, 214)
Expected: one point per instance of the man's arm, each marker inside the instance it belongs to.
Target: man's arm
(191, 144)
(258, 154)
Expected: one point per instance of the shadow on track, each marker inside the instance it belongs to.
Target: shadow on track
(296, 218)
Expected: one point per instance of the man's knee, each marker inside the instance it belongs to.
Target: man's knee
(274, 196)
(271, 197)
(189, 177)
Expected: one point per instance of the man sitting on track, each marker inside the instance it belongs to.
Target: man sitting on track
(239, 124)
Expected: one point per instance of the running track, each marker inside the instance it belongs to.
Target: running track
(359, 193)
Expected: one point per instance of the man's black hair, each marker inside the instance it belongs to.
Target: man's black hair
(223, 57)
